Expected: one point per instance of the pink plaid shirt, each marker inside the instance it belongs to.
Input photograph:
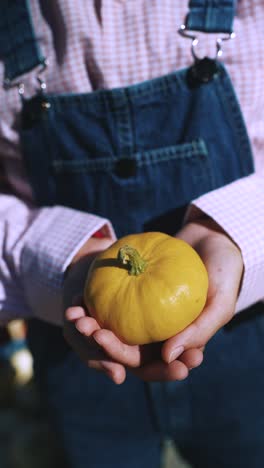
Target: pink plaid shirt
(92, 45)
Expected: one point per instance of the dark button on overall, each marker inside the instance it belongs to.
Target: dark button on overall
(202, 71)
(126, 168)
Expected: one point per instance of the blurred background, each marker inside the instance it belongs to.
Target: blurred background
(26, 438)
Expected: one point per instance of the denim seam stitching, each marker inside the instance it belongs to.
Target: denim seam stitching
(186, 151)
(228, 99)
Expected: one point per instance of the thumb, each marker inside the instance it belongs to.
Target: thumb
(216, 314)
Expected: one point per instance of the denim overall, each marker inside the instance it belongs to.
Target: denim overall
(138, 155)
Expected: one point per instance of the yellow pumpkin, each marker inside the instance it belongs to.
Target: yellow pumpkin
(146, 287)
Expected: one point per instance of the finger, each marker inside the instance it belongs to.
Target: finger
(74, 313)
(192, 358)
(116, 372)
(196, 335)
(89, 351)
(158, 371)
(108, 344)
(86, 325)
(117, 350)
(85, 347)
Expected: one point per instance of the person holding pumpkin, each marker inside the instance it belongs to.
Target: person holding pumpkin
(109, 127)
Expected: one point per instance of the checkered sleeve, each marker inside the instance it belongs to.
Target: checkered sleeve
(239, 209)
(37, 247)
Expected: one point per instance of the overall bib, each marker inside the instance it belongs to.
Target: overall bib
(138, 155)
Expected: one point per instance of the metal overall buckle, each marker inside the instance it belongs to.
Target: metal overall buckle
(204, 69)
(8, 84)
(33, 108)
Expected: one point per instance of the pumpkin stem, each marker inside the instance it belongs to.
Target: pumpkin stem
(130, 257)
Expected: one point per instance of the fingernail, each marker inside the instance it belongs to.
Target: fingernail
(175, 353)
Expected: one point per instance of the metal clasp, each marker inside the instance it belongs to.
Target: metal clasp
(8, 84)
(42, 83)
(183, 31)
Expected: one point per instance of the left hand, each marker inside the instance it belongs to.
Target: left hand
(224, 264)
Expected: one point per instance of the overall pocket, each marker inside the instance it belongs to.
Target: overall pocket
(132, 192)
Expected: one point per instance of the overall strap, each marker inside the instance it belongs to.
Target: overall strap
(19, 48)
(212, 16)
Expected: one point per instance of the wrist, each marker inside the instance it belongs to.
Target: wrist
(91, 247)
(202, 227)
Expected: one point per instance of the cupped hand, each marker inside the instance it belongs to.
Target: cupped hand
(102, 350)
(224, 264)
(83, 343)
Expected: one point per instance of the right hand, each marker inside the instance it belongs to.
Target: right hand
(85, 347)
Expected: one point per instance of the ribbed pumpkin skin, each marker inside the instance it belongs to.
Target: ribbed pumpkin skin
(156, 304)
